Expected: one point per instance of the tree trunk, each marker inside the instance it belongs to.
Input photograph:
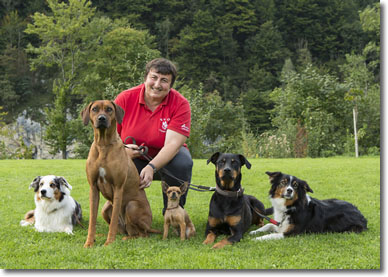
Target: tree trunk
(355, 113)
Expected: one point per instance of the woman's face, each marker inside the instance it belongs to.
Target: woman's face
(157, 85)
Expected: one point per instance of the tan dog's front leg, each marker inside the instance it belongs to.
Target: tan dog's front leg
(94, 198)
(165, 230)
(114, 223)
(183, 230)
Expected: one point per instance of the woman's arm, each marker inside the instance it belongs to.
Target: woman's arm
(173, 142)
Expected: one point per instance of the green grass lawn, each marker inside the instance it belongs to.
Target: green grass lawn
(350, 179)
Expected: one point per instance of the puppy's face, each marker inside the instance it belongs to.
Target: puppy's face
(228, 167)
(50, 188)
(174, 193)
(288, 187)
(102, 114)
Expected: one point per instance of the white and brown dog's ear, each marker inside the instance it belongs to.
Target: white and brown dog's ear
(62, 182)
(85, 114)
(35, 183)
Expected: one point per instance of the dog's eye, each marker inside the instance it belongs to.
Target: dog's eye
(94, 109)
(109, 109)
(284, 182)
(41, 184)
(295, 185)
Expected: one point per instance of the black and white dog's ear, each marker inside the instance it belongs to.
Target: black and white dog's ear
(62, 181)
(213, 158)
(306, 186)
(35, 183)
(273, 175)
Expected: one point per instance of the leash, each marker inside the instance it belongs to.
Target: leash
(144, 151)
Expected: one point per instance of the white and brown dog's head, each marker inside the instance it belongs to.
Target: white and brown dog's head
(50, 188)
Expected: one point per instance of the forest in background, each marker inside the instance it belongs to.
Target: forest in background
(266, 78)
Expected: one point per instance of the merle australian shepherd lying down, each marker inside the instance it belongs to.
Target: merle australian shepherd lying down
(299, 213)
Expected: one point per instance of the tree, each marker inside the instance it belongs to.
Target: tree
(62, 46)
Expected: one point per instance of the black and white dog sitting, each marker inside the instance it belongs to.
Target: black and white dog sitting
(56, 210)
(299, 213)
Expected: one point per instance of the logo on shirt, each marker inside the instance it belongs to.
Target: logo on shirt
(164, 126)
(184, 127)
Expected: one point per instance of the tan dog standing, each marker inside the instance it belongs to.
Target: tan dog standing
(110, 171)
(175, 215)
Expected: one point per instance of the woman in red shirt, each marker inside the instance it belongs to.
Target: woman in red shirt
(160, 117)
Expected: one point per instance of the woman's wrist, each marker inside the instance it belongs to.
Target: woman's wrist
(153, 167)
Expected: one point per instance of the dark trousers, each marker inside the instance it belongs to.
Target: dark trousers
(180, 166)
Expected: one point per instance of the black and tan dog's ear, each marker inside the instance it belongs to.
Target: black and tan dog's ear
(164, 186)
(62, 181)
(85, 114)
(244, 161)
(119, 112)
(35, 183)
(184, 187)
(306, 186)
(213, 158)
(273, 175)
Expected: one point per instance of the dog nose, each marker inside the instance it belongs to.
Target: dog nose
(43, 192)
(227, 170)
(101, 117)
(289, 191)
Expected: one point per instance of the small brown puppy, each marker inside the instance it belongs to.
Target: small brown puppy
(175, 215)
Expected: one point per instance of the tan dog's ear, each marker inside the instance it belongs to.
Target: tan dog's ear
(119, 113)
(85, 114)
(164, 186)
(184, 187)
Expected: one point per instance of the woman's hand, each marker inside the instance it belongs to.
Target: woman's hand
(146, 177)
(132, 151)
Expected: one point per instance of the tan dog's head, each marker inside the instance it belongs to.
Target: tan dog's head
(102, 114)
(174, 193)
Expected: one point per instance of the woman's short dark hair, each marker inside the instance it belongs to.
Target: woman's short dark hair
(162, 66)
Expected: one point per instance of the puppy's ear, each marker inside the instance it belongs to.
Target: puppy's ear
(306, 186)
(35, 183)
(85, 114)
(184, 187)
(213, 158)
(164, 186)
(244, 161)
(119, 113)
(62, 181)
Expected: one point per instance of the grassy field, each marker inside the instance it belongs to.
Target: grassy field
(350, 179)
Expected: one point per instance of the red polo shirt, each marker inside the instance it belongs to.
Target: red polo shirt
(150, 127)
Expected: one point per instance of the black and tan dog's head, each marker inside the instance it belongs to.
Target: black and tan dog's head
(288, 187)
(228, 169)
(50, 188)
(102, 114)
(174, 193)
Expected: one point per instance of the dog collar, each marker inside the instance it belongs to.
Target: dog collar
(228, 193)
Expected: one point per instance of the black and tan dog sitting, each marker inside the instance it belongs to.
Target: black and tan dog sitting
(175, 215)
(231, 212)
(299, 213)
